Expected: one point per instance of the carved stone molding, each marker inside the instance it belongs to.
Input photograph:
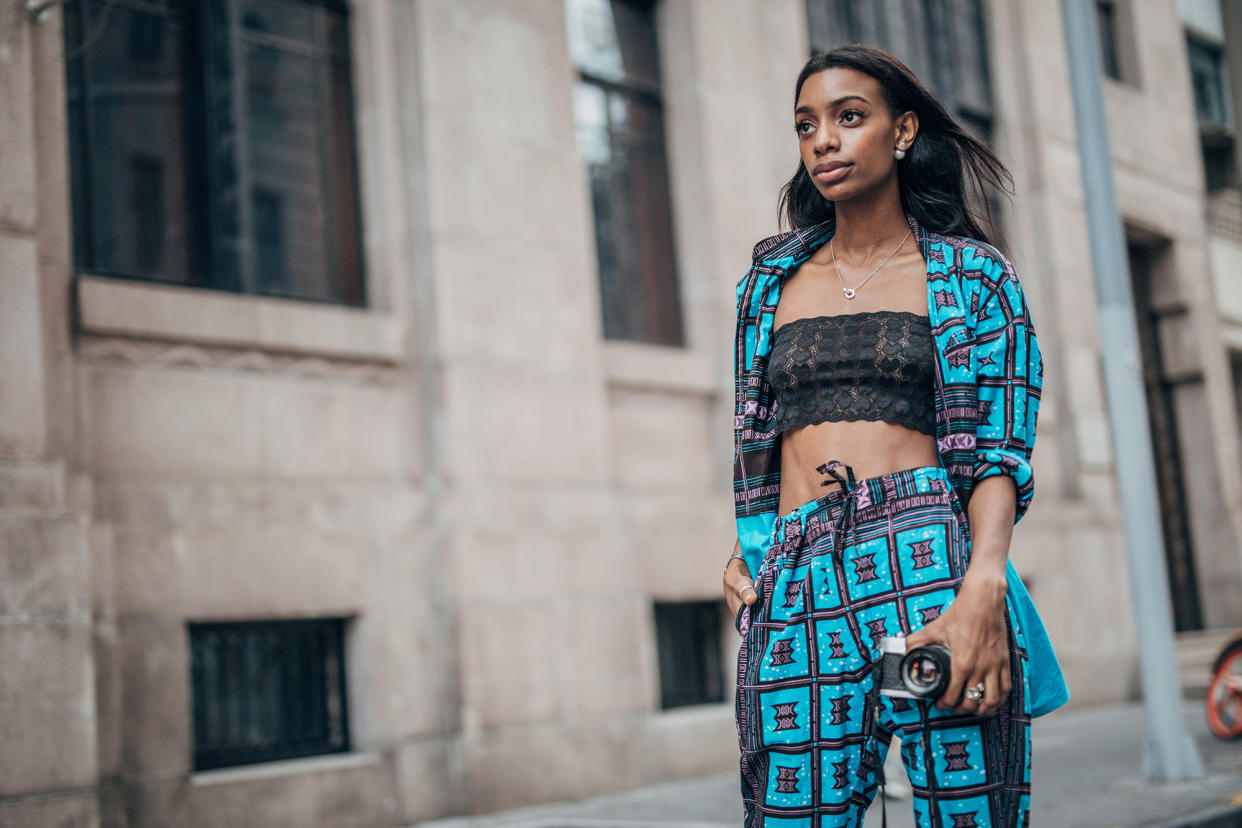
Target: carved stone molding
(147, 353)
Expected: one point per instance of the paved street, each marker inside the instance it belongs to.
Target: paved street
(1086, 766)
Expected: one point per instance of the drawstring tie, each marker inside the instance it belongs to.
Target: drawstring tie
(844, 521)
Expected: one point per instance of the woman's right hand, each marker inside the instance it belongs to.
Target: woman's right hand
(738, 586)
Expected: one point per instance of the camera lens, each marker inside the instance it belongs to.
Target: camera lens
(925, 671)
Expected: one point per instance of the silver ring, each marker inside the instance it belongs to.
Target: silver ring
(975, 693)
(743, 589)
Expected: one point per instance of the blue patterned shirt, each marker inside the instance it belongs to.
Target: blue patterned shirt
(988, 377)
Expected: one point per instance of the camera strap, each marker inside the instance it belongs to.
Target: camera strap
(869, 734)
(879, 768)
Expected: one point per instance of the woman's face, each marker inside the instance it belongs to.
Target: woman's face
(846, 134)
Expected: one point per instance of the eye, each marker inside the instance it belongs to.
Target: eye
(804, 127)
(845, 116)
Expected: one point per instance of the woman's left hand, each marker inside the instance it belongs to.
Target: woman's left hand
(973, 628)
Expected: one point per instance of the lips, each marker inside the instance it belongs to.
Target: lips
(829, 171)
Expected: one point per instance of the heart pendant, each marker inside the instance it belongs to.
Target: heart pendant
(849, 293)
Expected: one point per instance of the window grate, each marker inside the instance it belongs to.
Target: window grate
(688, 642)
(267, 690)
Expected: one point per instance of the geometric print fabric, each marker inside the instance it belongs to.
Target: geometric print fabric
(812, 745)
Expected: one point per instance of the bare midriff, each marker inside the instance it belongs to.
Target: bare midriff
(869, 448)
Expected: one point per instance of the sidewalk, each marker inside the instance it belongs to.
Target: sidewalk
(1086, 775)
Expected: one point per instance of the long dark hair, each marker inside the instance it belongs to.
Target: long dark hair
(932, 178)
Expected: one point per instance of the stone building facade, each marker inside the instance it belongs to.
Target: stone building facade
(501, 506)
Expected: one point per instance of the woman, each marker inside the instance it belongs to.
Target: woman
(885, 335)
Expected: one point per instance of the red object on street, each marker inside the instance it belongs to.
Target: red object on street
(1224, 695)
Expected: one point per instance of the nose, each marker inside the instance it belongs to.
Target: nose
(825, 139)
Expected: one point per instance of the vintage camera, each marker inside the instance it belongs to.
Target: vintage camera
(922, 673)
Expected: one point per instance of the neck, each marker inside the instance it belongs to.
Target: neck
(869, 224)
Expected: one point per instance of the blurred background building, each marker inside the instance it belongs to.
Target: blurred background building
(366, 379)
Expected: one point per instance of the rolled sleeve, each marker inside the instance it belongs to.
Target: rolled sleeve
(1009, 376)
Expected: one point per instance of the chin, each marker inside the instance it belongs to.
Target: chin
(835, 194)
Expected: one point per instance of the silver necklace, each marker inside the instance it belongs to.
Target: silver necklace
(849, 292)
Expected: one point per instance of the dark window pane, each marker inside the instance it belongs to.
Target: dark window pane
(147, 38)
(127, 109)
(1208, 81)
(966, 29)
(689, 651)
(228, 122)
(830, 22)
(642, 179)
(1235, 364)
(614, 40)
(905, 26)
(267, 690)
(146, 207)
(1219, 159)
(944, 42)
(284, 161)
(289, 19)
(620, 127)
(268, 217)
(1106, 23)
(636, 41)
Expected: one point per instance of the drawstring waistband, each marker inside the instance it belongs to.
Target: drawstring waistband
(844, 521)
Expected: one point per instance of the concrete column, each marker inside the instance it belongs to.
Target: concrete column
(47, 695)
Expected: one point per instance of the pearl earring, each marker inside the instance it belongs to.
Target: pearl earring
(900, 152)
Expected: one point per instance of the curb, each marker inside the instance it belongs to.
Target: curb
(1227, 816)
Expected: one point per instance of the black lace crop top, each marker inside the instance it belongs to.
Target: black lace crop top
(874, 365)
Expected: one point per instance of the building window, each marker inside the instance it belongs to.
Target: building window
(1216, 128)
(1235, 364)
(1205, 51)
(267, 690)
(619, 114)
(1207, 78)
(1114, 23)
(1106, 26)
(212, 145)
(944, 42)
(689, 649)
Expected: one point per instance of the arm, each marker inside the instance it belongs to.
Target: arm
(736, 579)
(1009, 372)
(973, 627)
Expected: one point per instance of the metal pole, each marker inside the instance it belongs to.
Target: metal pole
(1169, 751)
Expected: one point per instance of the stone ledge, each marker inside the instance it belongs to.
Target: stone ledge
(286, 767)
(143, 310)
(658, 368)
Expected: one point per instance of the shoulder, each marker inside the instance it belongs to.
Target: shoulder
(764, 247)
(785, 248)
(975, 259)
(983, 269)
(767, 255)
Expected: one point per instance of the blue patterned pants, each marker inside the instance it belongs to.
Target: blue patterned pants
(874, 557)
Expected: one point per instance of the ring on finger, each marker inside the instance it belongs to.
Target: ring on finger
(743, 589)
(974, 693)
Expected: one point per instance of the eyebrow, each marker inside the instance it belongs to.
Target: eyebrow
(835, 103)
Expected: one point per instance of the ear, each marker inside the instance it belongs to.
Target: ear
(906, 128)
